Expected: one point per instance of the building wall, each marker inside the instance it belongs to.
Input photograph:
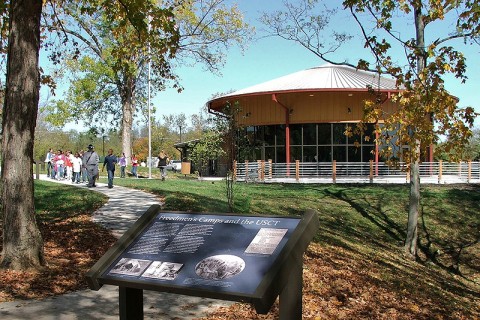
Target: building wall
(320, 107)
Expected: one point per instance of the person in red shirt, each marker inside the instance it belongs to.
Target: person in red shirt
(134, 165)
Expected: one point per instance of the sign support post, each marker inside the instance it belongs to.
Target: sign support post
(131, 303)
(290, 307)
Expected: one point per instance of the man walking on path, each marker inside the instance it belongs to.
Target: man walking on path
(110, 161)
(90, 162)
(162, 164)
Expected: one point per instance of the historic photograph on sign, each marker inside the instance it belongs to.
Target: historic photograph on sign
(131, 267)
(266, 241)
(163, 270)
(220, 267)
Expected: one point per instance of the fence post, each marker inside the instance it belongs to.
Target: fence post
(263, 170)
(407, 178)
(334, 171)
(371, 171)
(297, 170)
(270, 170)
(259, 170)
(440, 170)
(246, 170)
(469, 171)
(234, 170)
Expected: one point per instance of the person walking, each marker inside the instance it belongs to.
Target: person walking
(90, 162)
(134, 165)
(110, 162)
(59, 165)
(162, 164)
(123, 164)
(48, 161)
(77, 168)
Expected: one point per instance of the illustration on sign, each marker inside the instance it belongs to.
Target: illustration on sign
(220, 267)
(163, 270)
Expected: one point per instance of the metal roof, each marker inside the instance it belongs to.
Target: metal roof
(327, 77)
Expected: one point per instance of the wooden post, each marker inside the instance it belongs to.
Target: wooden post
(297, 170)
(263, 170)
(334, 171)
(246, 170)
(290, 303)
(270, 169)
(469, 171)
(407, 178)
(440, 171)
(259, 170)
(234, 170)
(37, 169)
(371, 171)
(130, 303)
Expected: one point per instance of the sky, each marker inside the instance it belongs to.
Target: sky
(269, 58)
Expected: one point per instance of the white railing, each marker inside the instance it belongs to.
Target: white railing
(430, 172)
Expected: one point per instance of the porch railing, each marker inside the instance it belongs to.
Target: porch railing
(432, 172)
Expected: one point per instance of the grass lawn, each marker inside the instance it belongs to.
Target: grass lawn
(354, 268)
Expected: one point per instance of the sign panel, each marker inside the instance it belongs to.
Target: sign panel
(225, 253)
(222, 256)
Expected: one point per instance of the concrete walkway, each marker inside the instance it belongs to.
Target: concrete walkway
(122, 210)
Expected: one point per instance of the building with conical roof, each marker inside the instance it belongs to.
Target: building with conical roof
(304, 115)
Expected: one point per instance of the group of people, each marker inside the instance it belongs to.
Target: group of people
(83, 166)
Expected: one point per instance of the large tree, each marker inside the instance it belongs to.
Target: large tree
(206, 29)
(426, 110)
(22, 242)
(109, 78)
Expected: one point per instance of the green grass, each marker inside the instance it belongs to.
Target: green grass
(375, 215)
(366, 219)
(55, 201)
(362, 224)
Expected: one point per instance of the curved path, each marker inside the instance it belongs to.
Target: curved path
(119, 213)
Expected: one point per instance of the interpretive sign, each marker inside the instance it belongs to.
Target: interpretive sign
(223, 256)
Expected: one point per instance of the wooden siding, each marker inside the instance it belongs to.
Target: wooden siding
(317, 107)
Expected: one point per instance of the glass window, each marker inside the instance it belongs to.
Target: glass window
(370, 133)
(309, 134)
(368, 153)
(355, 137)
(309, 154)
(281, 158)
(296, 134)
(270, 154)
(354, 154)
(324, 133)
(269, 135)
(325, 154)
(340, 154)
(339, 136)
(280, 134)
(296, 153)
(259, 135)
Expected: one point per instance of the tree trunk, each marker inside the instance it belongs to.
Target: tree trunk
(414, 204)
(22, 241)
(128, 110)
(412, 226)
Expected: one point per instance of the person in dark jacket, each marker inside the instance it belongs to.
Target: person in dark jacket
(162, 164)
(110, 162)
(90, 162)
